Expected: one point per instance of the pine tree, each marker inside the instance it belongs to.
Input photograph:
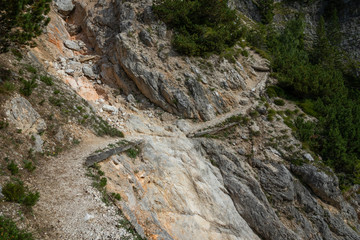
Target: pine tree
(266, 10)
(322, 47)
(334, 31)
(21, 21)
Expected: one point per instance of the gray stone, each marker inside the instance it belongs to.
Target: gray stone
(148, 16)
(64, 6)
(59, 135)
(262, 110)
(254, 128)
(38, 145)
(324, 185)
(74, 65)
(131, 99)
(277, 181)
(20, 112)
(73, 29)
(88, 71)
(71, 72)
(72, 45)
(308, 157)
(110, 109)
(1, 194)
(145, 38)
(183, 125)
(241, 152)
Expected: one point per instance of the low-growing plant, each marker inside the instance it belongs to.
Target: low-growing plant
(116, 196)
(13, 168)
(279, 102)
(7, 87)
(28, 86)
(102, 128)
(17, 53)
(3, 124)
(132, 152)
(30, 69)
(47, 80)
(9, 230)
(17, 192)
(28, 165)
(55, 101)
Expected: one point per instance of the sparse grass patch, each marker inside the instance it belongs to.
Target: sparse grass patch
(30, 69)
(102, 128)
(17, 54)
(7, 87)
(55, 101)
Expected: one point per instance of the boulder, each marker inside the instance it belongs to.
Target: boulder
(145, 38)
(88, 71)
(64, 7)
(20, 112)
(72, 45)
(38, 145)
(324, 185)
(110, 109)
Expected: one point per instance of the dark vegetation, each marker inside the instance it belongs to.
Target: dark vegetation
(201, 26)
(15, 191)
(324, 83)
(21, 21)
(8, 230)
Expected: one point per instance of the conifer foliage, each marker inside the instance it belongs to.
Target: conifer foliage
(201, 26)
(21, 21)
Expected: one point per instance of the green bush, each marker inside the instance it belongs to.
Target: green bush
(13, 168)
(31, 199)
(102, 182)
(116, 196)
(28, 86)
(29, 166)
(201, 26)
(3, 124)
(9, 230)
(17, 192)
(47, 80)
(279, 102)
(132, 152)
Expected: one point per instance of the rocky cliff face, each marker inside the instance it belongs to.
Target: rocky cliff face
(240, 175)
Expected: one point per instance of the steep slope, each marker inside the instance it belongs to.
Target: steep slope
(240, 175)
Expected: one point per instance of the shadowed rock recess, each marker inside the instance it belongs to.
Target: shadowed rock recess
(211, 163)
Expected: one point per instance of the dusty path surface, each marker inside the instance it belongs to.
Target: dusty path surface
(69, 204)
